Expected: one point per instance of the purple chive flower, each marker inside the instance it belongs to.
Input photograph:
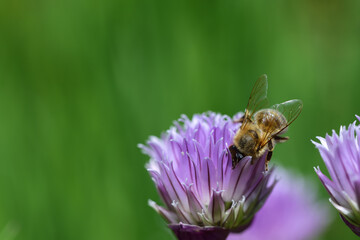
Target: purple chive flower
(341, 154)
(192, 169)
(291, 212)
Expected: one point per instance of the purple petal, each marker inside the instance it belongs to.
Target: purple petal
(234, 181)
(167, 215)
(207, 179)
(199, 153)
(181, 213)
(357, 189)
(171, 183)
(216, 207)
(331, 188)
(195, 206)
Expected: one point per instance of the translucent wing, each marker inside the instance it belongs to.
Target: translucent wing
(257, 99)
(290, 110)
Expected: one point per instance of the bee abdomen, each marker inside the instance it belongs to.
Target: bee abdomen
(270, 118)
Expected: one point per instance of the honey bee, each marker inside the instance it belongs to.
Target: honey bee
(261, 127)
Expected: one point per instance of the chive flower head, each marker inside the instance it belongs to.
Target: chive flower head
(191, 166)
(341, 155)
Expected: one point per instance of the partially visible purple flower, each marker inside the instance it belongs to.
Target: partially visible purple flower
(341, 154)
(291, 212)
(192, 169)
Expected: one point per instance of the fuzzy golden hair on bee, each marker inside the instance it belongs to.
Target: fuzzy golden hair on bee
(261, 128)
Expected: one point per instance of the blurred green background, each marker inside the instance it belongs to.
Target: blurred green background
(82, 82)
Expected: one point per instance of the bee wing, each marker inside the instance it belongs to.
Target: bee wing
(257, 99)
(290, 110)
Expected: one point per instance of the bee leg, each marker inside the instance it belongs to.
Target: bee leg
(280, 139)
(269, 155)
